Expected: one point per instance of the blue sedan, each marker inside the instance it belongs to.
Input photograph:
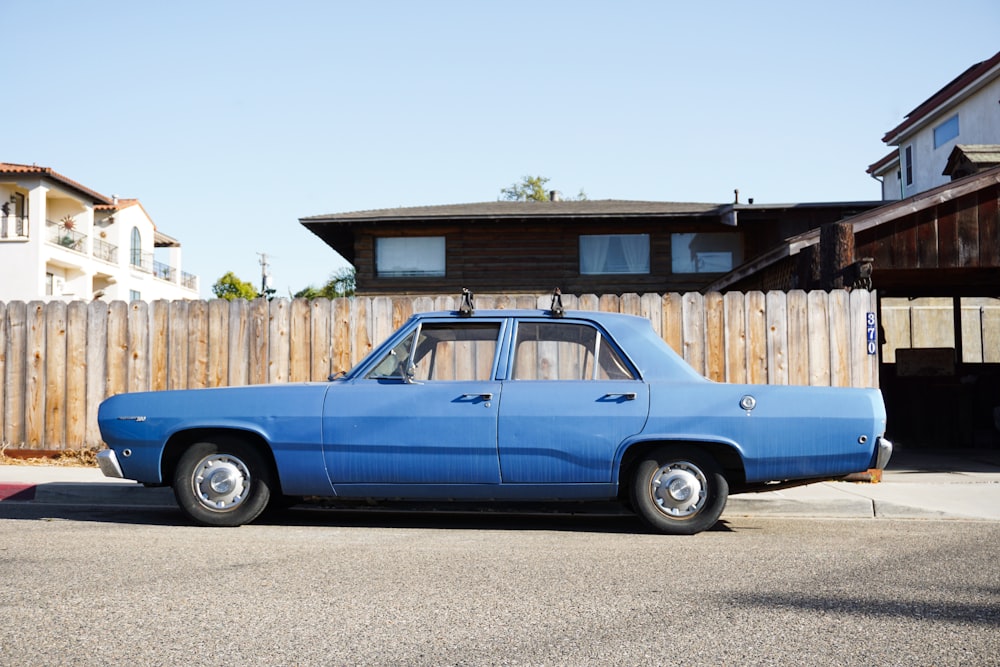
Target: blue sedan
(503, 405)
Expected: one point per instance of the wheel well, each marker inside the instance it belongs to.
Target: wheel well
(179, 442)
(725, 455)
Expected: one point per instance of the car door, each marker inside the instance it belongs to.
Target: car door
(425, 413)
(570, 401)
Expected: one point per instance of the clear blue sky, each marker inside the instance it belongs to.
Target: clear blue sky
(229, 120)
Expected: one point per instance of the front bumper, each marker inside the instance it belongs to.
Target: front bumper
(883, 451)
(107, 461)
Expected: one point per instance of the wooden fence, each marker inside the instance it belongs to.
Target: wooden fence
(59, 360)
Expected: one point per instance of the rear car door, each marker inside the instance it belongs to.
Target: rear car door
(570, 400)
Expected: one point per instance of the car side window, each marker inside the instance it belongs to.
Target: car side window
(443, 352)
(565, 351)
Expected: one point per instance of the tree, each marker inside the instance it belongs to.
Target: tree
(341, 283)
(532, 188)
(230, 287)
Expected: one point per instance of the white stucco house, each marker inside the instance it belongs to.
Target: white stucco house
(62, 240)
(960, 122)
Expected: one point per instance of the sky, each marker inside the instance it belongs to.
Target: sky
(230, 120)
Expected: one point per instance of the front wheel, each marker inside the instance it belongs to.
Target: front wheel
(679, 490)
(224, 483)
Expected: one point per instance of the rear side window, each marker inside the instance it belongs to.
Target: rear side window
(565, 351)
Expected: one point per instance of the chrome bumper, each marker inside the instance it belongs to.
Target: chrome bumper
(884, 452)
(107, 461)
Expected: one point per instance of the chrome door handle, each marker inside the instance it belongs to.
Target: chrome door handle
(486, 396)
(627, 395)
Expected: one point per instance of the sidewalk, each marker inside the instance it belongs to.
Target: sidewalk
(930, 485)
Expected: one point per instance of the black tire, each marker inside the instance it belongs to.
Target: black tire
(679, 490)
(222, 483)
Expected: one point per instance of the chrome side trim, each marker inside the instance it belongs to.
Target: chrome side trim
(884, 453)
(107, 460)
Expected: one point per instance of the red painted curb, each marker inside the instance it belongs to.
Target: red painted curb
(17, 491)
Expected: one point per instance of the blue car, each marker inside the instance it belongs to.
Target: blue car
(502, 405)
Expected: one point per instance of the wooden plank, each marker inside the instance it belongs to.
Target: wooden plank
(97, 361)
(177, 346)
(159, 337)
(218, 343)
(117, 354)
(927, 239)
(777, 337)
(736, 338)
(947, 230)
(630, 304)
(361, 341)
(340, 334)
(756, 314)
(693, 327)
(278, 346)
(588, 302)
(54, 427)
(16, 355)
(402, 310)
(715, 337)
(197, 369)
(381, 318)
(258, 346)
(860, 306)
(239, 342)
(968, 232)
(672, 321)
(840, 346)
(76, 376)
(988, 215)
(797, 310)
(650, 307)
(817, 307)
(34, 387)
(138, 346)
(299, 341)
(321, 355)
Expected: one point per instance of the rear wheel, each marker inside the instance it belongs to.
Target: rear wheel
(679, 490)
(222, 483)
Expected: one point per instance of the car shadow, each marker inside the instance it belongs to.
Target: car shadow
(536, 518)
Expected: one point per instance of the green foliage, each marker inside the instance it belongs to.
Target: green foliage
(533, 188)
(230, 287)
(341, 283)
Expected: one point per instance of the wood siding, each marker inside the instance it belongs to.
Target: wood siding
(58, 361)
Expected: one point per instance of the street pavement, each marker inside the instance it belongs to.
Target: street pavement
(915, 485)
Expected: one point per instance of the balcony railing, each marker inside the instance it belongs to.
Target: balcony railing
(142, 261)
(164, 271)
(67, 238)
(189, 280)
(13, 227)
(105, 251)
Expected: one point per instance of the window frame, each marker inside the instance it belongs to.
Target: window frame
(415, 271)
(946, 131)
(643, 270)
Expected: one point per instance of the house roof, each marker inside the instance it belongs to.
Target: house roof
(979, 156)
(12, 169)
(508, 209)
(873, 218)
(938, 99)
(882, 164)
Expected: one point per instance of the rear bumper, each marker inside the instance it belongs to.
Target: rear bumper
(883, 452)
(107, 461)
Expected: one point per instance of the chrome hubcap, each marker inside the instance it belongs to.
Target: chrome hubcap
(221, 482)
(679, 489)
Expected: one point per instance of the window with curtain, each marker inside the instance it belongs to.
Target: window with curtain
(614, 254)
(406, 257)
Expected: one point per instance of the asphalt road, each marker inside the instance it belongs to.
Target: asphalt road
(127, 586)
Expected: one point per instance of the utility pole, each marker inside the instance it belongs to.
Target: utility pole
(266, 290)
